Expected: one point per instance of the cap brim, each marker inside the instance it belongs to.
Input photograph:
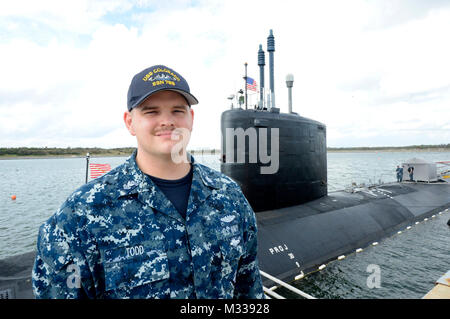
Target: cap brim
(188, 96)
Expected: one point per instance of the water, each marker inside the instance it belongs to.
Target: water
(407, 266)
(408, 263)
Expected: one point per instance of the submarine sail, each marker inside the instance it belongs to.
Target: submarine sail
(290, 170)
(278, 159)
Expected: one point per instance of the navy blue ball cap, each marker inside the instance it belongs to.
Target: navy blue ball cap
(154, 79)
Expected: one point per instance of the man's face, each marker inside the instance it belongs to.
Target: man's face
(153, 122)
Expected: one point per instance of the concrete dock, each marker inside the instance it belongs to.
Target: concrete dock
(441, 289)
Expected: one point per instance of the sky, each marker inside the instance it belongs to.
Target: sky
(376, 73)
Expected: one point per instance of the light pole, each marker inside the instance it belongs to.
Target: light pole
(87, 166)
(290, 84)
(245, 78)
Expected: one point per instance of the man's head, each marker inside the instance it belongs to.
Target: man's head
(159, 112)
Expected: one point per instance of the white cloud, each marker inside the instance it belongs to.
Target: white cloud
(356, 68)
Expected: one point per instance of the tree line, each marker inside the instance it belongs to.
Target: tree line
(80, 151)
(69, 151)
(125, 151)
(392, 148)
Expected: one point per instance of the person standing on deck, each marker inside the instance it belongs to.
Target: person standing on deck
(411, 173)
(399, 171)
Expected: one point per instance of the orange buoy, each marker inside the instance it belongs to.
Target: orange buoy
(13, 197)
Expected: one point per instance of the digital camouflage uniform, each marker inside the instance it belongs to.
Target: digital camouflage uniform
(119, 237)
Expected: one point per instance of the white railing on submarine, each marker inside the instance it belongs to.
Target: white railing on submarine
(285, 285)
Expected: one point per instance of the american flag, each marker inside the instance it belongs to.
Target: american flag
(99, 169)
(251, 84)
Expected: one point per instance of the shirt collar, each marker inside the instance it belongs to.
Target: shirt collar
(133, 180)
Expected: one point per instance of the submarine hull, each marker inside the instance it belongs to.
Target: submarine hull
(301, 238)
(300, 225)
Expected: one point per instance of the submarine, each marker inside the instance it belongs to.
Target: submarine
(280, 162)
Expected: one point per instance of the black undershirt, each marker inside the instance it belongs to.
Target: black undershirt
(177, 191)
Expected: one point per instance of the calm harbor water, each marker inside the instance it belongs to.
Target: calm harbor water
(408, 264)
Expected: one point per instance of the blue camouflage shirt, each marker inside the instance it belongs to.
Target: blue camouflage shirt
(119, 237)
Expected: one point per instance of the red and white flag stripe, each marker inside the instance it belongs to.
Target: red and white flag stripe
(99, 169)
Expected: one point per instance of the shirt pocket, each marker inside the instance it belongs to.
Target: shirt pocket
(133, 266)
(231, 249)
(231, 239)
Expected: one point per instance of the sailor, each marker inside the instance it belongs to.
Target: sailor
(158, 226)
(411, 173)
(399, 171)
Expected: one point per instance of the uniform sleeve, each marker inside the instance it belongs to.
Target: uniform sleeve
(59, 267)
(248, 280)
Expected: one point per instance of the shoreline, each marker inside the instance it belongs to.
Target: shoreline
(389, 150)
(217, 152)
(15, 157)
